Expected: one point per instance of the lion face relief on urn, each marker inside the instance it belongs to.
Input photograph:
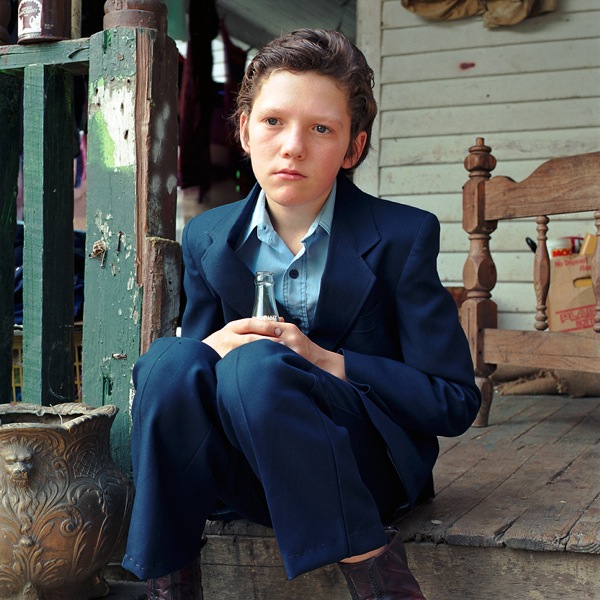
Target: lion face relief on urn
(64, 504)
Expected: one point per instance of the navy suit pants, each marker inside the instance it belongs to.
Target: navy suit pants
(264, 432)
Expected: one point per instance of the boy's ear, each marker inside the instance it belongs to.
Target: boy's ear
(358, 145)
(244, 132)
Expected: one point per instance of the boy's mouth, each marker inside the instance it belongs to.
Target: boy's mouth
(289, 174)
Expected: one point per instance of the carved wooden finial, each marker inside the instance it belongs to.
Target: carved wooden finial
(480, 162)
(4, 19)
(135, 13)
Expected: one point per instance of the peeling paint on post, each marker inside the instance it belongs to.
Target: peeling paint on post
(132, 166)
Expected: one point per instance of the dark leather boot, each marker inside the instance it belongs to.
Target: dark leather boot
(185, 584)
(385, 576)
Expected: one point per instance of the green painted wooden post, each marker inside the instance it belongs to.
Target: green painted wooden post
(9, 168)
(131, 198)
(48, 370)
(48, 237)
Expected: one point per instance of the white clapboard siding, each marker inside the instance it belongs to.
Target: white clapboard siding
(532, 91)
(451, 149)
(516, 117)
(489, 90)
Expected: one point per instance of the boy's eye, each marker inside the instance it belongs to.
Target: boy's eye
(271, 121)
(322, 129)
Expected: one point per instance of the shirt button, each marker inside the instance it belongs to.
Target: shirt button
(294, 274)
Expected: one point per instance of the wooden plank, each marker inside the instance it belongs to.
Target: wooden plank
(486, 61)
(444, 572)
(510, 320)
(48, 236)
(545, 350)
(548, 190)
(472, 450)
(463, 476)
(9, 168)
(447, 207)
(492, 90)
(516, 297)
(441, 178)
(162, 285)
(111, 328)
(510, 148)
(256, 567)
(72, 55)
(562, 503)
(487, 522)
(132, 151)
(472, 120)
(449, 572)
(505, 409)
(585, 535)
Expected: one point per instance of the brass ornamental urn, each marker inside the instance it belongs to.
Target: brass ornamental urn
(64, 504)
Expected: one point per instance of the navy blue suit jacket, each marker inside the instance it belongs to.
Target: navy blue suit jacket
(381, 304)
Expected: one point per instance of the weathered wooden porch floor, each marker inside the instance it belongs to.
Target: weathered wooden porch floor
(516, 516)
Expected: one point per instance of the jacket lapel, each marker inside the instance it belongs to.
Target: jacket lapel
(227, 274)
(348, 279)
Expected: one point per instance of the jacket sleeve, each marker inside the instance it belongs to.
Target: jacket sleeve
(430, 388)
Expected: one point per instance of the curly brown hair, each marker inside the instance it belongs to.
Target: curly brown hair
(327, 53)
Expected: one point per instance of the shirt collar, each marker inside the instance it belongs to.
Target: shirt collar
(261, 221)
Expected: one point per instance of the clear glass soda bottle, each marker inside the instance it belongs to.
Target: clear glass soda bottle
(264, 298)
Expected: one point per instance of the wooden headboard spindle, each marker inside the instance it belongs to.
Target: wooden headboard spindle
(596, 272)
(541, 274)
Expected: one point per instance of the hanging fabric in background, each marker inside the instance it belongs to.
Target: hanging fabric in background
(495, 13)
(235, 64)
(444, 10)
(196, 99)
(509, 12)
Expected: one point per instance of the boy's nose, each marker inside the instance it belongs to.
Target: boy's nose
(293, 144)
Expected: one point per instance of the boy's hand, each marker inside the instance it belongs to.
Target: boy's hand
(293, 338)
(244, 331)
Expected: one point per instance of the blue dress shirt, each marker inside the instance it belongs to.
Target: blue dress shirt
(297, 278)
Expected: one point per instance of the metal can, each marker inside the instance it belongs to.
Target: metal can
(43, 21)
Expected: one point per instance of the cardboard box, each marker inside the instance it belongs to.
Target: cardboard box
(571, 301)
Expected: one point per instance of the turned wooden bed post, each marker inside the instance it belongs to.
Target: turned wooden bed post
(479, 311)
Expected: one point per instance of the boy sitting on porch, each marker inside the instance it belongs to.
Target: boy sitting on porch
(322, 426)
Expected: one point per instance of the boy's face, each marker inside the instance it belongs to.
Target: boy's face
(297, 136)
